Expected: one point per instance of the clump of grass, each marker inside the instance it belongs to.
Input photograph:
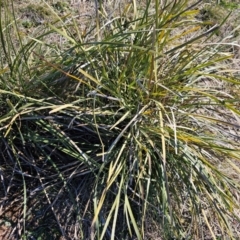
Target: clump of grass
(125, 127)
(229, 4)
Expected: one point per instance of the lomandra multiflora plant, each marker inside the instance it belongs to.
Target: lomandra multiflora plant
(120, 132)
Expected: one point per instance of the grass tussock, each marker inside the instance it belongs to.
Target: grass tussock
(118, 130)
